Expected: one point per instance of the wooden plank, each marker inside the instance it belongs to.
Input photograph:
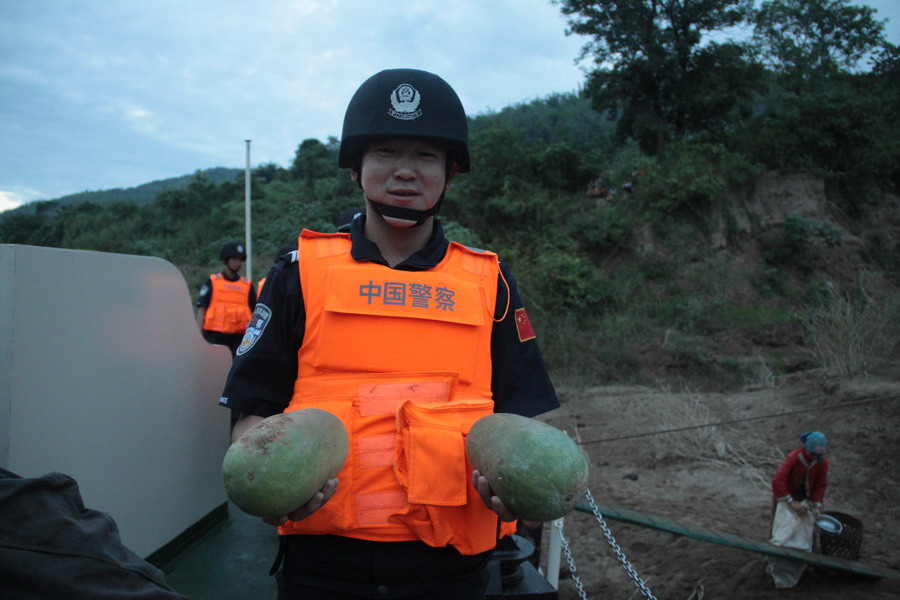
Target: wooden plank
(696, 532)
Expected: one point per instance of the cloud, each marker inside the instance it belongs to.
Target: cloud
(10, 200)
(100, 95)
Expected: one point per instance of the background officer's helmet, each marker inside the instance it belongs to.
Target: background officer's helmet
(231, 250)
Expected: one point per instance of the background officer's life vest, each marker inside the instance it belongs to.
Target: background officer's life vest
(229, 309)
(403, 358)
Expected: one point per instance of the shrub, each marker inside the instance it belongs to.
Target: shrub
(691, 437)
(790, 245)
(854, 333)
(564, 281)
(605, 229)
(694, 180)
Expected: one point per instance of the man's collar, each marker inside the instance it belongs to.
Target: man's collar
(365, 250)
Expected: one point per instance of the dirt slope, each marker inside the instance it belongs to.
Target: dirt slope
(718, 478)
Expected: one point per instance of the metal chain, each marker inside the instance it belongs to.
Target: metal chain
(571, 561)
(618, 551)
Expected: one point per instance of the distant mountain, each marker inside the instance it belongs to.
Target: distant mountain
(141, 194)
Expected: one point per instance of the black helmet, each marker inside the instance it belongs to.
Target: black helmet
(232, 249)
(405, 103)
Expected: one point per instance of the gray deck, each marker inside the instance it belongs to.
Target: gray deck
(230, 562)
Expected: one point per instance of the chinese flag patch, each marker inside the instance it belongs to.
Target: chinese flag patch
(523, 326)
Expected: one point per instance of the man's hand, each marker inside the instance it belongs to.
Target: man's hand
(313, 504)
(495, 503)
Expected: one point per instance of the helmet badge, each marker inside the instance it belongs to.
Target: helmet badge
(405, 103)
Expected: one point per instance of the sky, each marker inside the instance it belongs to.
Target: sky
(101, 94)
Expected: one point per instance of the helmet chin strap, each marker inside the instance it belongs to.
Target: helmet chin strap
(406, 214)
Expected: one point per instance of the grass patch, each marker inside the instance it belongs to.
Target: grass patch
(598, 353)
(854, 333)
(686, 419)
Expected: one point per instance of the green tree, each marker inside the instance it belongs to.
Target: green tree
(557, 143)
(653, 69)
(268, 172)
(809, 37)
(313, 160)
(826, 109)
(21, 228)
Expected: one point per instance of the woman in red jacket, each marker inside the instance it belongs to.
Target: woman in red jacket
(802, 478)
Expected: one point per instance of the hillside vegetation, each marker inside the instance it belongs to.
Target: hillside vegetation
(139, 194)
(719, 242)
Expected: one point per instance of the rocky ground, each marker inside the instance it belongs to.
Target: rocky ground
(718, 478)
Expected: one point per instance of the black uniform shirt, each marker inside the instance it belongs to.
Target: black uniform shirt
(261, 381)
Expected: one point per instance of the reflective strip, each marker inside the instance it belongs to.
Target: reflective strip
(370, 406)
(382, 398)
(377, 450)
(375, 508)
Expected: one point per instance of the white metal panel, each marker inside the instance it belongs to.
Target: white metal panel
(107, 379)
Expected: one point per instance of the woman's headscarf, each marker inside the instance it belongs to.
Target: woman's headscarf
(814, 442)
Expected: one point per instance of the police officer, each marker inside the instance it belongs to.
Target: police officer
(226, 300)
(398, 332)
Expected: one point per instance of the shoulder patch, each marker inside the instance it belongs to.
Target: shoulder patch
(523, 326)
(262, 314)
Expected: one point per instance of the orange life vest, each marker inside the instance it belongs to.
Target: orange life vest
(259, 287)
(403, 359)
(229, 309)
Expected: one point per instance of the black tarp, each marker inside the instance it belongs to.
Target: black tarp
(51, 546)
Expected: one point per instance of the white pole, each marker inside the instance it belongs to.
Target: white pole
(553, 552)
(247, 226)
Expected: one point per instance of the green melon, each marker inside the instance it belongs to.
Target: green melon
(536, 470)
(282, 461)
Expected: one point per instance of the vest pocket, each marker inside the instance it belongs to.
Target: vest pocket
(430, 458)
(235, 321)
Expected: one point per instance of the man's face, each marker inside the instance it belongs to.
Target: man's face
(407, 173)
(234, 263)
